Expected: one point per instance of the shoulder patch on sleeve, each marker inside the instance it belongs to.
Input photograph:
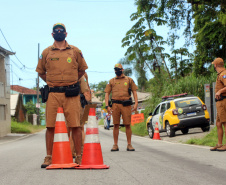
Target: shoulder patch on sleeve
(224, 76)
(81, 53)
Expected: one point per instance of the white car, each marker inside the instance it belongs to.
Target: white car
(111, 122)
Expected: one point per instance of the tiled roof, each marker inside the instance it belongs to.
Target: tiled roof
(23, 90)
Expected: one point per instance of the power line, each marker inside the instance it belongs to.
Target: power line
(98, 72)
(20, 68)
(15, 54)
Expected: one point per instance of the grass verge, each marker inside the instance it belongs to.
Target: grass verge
(101, 122)
(209, 140)
(138, 129)
(25, 127)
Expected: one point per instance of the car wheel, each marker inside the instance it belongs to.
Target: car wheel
(205, 129)
(150, 130)
(184, 130)
(169, 130)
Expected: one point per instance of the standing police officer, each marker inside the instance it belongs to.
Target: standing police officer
(121, 87)
(220, 97)
(60, 66)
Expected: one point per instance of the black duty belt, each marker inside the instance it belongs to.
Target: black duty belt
(61, 89)
(221, 98)
(117, 101)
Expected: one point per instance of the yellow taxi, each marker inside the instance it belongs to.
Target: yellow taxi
(178, 112)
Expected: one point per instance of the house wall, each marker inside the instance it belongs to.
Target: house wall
(5, 118)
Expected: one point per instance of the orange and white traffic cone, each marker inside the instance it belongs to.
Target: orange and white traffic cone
(156, 133)
(92, 154)
(61, 156)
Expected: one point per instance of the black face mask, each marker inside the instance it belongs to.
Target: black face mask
(118, 73)
(59, 36)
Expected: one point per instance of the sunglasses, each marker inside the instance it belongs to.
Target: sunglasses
(57, 30)
(117, 69)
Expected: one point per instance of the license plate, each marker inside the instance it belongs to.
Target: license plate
(191, 114)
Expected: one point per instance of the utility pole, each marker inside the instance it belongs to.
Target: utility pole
(38, 104)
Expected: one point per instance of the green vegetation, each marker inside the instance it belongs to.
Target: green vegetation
(101, 122)
(189, 84)
(25, 127)
(99, 89)
(138, 129)
(209, 140)
(31, 109)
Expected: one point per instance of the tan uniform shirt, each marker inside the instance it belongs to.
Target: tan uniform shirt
(61, 66)
(221, 81)
(119, 87)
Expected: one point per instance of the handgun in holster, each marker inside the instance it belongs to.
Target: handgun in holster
(83, 100)
(110, 103)
(44, 93)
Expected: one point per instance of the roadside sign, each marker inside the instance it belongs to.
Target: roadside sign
(137, 118)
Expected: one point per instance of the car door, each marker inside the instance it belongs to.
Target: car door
(155, 117)
(161, 114)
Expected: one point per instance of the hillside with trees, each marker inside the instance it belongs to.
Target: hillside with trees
(160, 66)
(203, 24)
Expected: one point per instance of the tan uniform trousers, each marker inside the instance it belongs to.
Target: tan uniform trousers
(118, 110)
(221, 111)
(81, 114)
(71, 107)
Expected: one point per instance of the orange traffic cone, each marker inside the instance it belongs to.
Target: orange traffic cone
(61, 156)
(92, 154)
(156, 133)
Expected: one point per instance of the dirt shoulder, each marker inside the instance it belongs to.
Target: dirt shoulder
(182, 138)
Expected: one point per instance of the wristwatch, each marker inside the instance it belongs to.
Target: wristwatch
(106, 107)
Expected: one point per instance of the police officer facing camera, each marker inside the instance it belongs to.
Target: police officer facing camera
(121, 87)
(61, 66)
(220, 98)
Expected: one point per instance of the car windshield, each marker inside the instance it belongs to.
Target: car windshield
(187, 102)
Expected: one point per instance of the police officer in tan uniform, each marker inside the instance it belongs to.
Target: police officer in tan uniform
(121, 87)
(61, 66)
(220, 98)
(85, 97)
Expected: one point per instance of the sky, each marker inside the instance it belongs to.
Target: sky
(96, 27)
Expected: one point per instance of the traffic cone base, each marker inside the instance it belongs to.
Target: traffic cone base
(92, 157)
(62, 166)
(156, 132)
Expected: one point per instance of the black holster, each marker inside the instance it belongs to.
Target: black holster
(72, 90)
(83, 100)
(44, 93)
(110, 103)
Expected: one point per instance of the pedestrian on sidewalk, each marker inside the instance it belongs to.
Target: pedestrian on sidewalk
(108, 119)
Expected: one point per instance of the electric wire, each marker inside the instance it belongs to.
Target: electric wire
(15, 54)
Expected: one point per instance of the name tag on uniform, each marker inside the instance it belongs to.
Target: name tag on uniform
(54, 59)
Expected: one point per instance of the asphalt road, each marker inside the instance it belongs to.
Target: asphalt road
(153, 162)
